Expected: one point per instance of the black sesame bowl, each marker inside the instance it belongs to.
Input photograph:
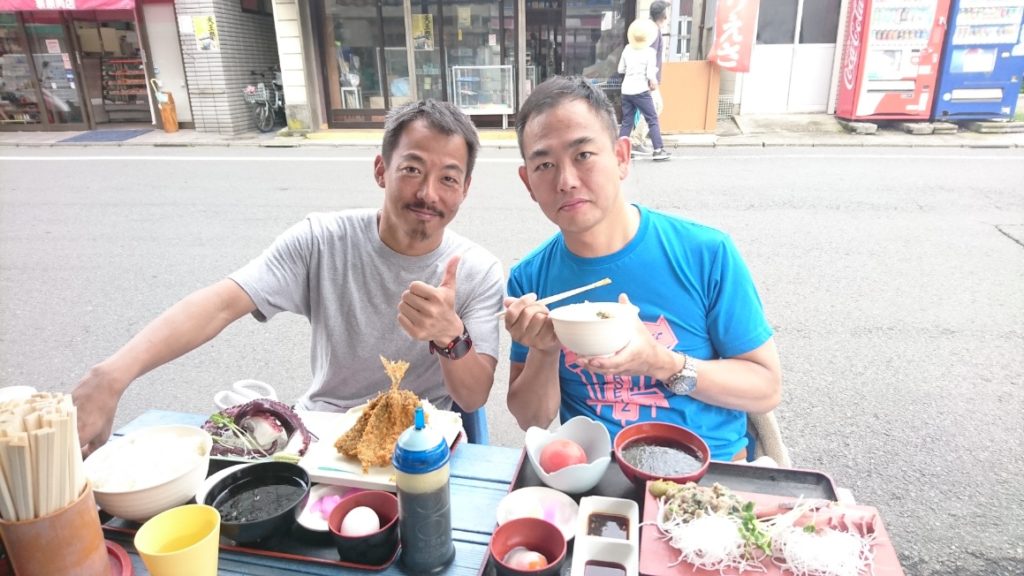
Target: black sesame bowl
(259, 501)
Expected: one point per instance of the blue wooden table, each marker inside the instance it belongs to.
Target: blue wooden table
(480, 478)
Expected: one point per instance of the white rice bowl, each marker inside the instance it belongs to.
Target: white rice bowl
(149, 471)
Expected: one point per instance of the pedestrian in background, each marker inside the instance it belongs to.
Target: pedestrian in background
(639, 66)
(659, 12)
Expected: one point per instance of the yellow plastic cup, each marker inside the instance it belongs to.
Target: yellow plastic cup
(182, 540)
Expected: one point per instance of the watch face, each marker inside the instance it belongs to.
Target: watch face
(687, 384)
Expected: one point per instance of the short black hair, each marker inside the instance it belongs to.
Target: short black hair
(658, 8)
(558, 89)
(442, 117)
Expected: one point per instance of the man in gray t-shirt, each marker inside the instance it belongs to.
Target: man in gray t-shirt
(391, 282)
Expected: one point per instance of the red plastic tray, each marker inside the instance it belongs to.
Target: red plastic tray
(656, 553)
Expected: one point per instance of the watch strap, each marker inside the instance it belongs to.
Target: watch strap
(455, 349)
(684, 382)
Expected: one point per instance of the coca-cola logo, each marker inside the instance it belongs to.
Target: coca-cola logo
(853, 44)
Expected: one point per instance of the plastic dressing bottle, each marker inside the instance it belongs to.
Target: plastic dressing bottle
(424, 512)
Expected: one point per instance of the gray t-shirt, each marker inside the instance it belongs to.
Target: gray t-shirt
(334, 269)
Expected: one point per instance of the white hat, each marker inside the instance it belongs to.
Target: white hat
(642, 33)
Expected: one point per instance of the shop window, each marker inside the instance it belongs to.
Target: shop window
(258, 7)
(820, 22)
(776, 22)
(19, 101)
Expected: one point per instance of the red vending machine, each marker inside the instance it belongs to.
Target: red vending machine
(891, 59)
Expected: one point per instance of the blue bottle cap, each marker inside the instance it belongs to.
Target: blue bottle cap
(420, 449)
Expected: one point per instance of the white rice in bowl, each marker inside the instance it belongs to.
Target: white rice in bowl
(135, 463)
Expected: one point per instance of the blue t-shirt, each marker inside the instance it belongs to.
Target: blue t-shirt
(695, 295)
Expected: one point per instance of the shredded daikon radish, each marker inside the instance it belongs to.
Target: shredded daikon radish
(710, 541)
(826, 552)
(806, 551)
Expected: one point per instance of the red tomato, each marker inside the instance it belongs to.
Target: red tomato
(561, 453)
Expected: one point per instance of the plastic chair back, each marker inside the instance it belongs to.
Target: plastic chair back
(765, 439)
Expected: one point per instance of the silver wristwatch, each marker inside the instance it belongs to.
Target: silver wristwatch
(683, 382)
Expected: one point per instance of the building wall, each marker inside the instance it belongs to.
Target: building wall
(289, 17)
(216, 78)
(165, 52)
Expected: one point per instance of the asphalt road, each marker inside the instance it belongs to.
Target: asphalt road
(894, 279)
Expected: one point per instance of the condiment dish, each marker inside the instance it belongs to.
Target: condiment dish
(592, 436)
(612, 518)
(313, 516)
(605, 557)
(543, 503)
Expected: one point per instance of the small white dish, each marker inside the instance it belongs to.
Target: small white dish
(214, 478)
(612, 553)
(8, 393)
(313, 516)
(592, 436)
(541, 502)
(603, 517)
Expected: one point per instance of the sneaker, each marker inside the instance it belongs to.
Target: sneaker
(641, 150)
(662, 154)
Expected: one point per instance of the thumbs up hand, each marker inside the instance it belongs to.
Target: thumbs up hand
(428, 312)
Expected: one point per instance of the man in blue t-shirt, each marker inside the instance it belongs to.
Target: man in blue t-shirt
(702, 354)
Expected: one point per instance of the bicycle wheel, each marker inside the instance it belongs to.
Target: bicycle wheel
(264, 117)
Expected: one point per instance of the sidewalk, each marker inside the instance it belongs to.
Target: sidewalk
(786, 130)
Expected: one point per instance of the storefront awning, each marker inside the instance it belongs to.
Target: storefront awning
(23, 5)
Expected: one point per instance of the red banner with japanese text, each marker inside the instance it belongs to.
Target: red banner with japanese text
(735, 30)
(23, 5)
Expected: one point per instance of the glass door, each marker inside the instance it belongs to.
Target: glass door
(53, 55)
(353, 64)
(19, 97)
(545, 34)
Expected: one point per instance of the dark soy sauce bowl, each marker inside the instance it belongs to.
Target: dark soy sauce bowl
(281, 488)
(660, 434)
(376, 549)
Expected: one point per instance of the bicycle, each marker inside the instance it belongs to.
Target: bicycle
(267, 102)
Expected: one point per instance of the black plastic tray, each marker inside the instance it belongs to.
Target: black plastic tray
(740, 477)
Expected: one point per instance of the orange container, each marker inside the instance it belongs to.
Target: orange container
(168, 114)
(67, 542)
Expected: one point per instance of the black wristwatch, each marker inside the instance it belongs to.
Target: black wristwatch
(456, 348)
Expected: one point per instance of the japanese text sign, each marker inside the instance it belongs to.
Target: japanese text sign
(735, 30)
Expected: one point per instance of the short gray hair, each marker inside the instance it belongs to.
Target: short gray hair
(441, 117)
(558, 89)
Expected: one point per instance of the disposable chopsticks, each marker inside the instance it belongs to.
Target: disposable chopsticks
(40, 457)
(563, 295)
